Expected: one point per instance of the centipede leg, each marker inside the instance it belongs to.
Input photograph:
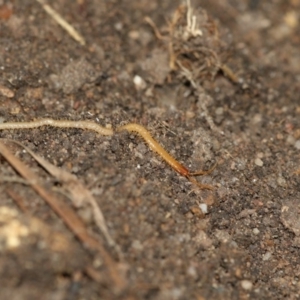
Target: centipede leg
(201, 172)
(202, 186)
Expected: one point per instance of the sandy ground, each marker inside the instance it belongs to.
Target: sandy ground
(216, 82)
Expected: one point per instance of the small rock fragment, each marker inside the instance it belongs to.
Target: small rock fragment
(203, 208)
(255, 231)
(290, 215)
(258, 162)
(139, 82)
(247, 285)
(6, 92)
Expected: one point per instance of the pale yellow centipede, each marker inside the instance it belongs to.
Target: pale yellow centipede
(131, 127)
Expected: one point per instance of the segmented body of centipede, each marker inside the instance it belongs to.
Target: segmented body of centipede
(131, 127)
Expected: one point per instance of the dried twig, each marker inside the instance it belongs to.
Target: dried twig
(79, 194)
(67, 214)
(156, 31)
(18, 200)
(62, 22)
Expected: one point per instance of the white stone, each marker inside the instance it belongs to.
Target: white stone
(139, 82)
(259, 162)
(203, 208)
(246, 285)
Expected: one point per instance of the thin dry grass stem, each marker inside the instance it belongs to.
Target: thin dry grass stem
(200, 91)
(18, 200)
(62, 22)
(191, 20)
(229, 73)
(156, 31)
(13, 179)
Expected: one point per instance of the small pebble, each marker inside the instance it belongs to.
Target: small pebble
(260, 155)
(119, 26)
(297, 145)
(246, 285)
(134, 34)
(203, 207)
(291, 19)
(137, 245)
(190, 114)
(256, 231)
(291, 140)
(281, 181)
(191, 271)
(219, 111)
(258, 162)
(139, 82)
(257, 119)
(6, 92)
(267, 256)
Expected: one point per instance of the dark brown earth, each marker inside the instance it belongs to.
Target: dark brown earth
(230, 95)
